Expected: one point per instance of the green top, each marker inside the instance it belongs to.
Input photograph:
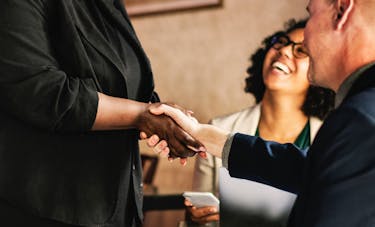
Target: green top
(303, 139)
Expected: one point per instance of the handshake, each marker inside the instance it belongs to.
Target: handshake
(173, 132)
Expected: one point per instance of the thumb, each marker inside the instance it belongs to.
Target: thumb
(157, 110)
(167, 110)
(178, 116)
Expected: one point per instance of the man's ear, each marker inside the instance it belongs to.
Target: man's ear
(343, 9)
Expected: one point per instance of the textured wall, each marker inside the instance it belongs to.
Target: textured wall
(199, 59)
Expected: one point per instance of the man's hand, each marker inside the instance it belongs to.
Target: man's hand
(180, 143)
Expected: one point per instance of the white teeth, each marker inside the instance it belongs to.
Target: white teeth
(281, 66)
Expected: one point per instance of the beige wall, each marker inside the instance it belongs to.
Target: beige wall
(199, 59)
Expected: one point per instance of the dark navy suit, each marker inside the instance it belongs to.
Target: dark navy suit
(335, 179)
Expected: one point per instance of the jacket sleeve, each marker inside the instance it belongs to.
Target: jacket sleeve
(33, 88)
(271, 163)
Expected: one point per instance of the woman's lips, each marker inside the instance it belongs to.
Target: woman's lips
(281, 67)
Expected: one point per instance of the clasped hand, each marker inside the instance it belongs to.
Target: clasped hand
(166, 135)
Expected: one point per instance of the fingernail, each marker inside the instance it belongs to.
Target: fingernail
(201, 148)
(183, 162)
(213, 210)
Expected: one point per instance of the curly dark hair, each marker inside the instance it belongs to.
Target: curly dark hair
(319, 101)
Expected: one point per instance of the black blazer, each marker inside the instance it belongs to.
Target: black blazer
(335, 181)
(53, 60)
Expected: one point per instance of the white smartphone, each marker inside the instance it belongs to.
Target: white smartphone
(202, 199)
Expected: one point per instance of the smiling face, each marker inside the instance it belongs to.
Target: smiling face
(283, 72)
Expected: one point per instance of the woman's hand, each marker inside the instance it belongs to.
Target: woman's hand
(202, 215)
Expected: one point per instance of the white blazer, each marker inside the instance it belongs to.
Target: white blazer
(206, 173)
(246, 121)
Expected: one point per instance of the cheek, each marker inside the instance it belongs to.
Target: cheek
(265, 64)
(307, 39)
(309, 28)
(303, 68)
(267, 60)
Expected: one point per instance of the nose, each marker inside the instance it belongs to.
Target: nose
(287, 51)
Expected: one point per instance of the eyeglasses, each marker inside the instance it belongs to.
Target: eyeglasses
(282, 40)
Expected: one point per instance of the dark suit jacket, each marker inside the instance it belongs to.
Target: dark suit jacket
(53, 60)
(335, 182)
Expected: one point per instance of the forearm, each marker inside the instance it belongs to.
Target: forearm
(213, 138)
(117, 113)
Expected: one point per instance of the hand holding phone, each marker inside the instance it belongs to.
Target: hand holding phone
(201, 199)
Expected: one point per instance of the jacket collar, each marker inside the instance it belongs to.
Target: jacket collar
(116, 11)
(93, 36)
(364, 81)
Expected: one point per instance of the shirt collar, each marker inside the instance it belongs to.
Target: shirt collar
(348, 83)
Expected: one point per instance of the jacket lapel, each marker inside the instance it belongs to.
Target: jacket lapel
(89, 31)
(364, 81)
(121, 20)
(115, 9)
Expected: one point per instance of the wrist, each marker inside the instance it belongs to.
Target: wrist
(213, 138)
(141, 110)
